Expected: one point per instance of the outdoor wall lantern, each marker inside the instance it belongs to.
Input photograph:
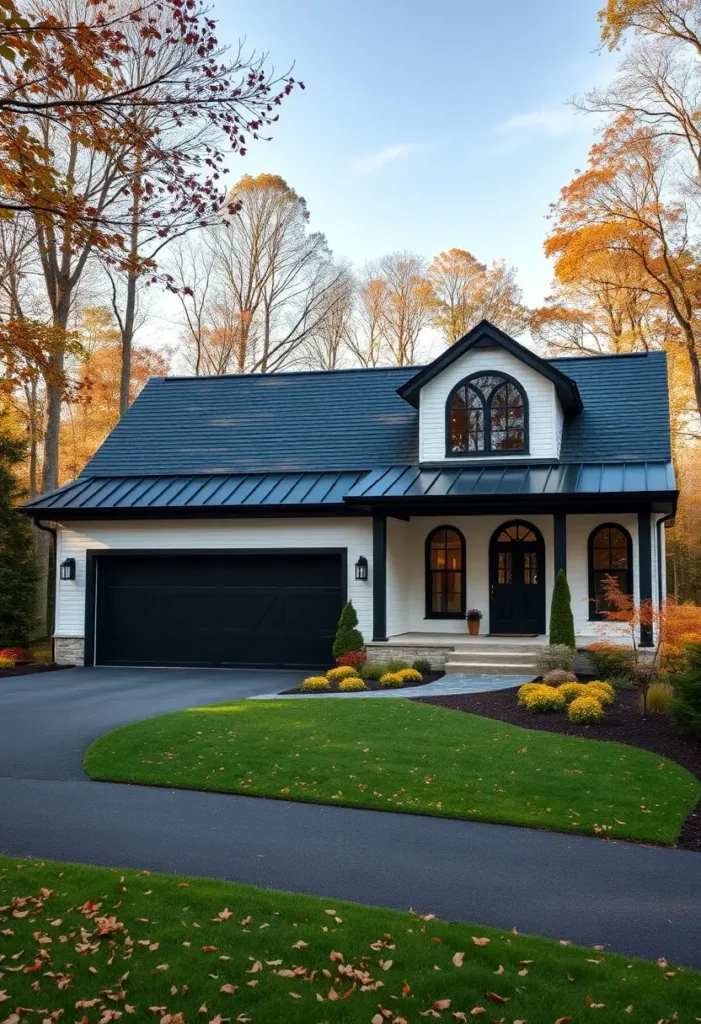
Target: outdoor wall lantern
(68, 569)
(361, 568)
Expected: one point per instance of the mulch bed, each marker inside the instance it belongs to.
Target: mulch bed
(27, 670)
(622, 723)
(372, 684)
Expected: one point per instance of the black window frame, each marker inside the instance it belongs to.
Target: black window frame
(430, 614)
(487, 452)
(592, 572)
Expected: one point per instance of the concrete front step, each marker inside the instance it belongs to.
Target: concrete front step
(472, 655)
(489, 668)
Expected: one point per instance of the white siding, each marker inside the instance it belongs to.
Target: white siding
(355, 534)
(545, 418)
(407, 610)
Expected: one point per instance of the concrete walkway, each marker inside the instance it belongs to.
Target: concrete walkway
(441, 688)
(643, 901)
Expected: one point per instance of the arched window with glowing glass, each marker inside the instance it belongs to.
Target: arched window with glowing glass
(487, 414)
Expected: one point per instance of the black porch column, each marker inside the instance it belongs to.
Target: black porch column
(379, 577)
(560, 544)
(645, 557)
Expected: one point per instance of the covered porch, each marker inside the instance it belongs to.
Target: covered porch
(463, 545)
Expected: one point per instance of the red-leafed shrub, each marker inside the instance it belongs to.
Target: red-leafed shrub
(15, 654)
(352, 658)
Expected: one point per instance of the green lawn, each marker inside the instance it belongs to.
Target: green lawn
(92, 942)
(401, 756)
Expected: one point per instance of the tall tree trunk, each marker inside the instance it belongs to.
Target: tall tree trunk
(127, 339)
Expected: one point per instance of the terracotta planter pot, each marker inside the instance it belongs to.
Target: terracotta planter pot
(473, 627)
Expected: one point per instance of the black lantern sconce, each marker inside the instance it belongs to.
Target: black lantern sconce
(361, 568)
(67, 570)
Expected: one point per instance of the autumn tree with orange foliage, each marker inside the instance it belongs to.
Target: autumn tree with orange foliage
(463, 291)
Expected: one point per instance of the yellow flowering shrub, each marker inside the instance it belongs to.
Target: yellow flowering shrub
(544, 698)
(392, 679)
(6, 663)
(352, 683)
(585, 709)
(603, 692)
(523, 692)
(341, 672)
(314, 684)
(570, 691)
(409, 675)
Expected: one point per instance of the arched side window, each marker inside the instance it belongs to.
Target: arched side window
(445, 574)
(610, 554)
(487, 414)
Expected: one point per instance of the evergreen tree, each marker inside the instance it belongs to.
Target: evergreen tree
(348, 637)
(685, 708)
(561, 619)
(17, 570)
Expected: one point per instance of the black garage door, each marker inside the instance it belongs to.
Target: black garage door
(268, 610)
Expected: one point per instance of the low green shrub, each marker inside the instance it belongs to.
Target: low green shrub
(315, 684)
(352, 683)
(658, 697)
(544, 698)
(555, 656)
(392, 679)
(422, 665)
(396, 665)
(620, 682)
(373, 670)
(341, 672)
(42, 656)
(610, 659)
(557, 676)
(685, 708)
(584, 710)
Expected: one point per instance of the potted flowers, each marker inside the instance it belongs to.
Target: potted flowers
(473, 621)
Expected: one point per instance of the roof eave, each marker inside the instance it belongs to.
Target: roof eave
(566, 388)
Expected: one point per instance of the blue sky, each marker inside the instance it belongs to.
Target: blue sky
(427, 125)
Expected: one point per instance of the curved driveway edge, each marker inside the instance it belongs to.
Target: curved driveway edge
(643, 901)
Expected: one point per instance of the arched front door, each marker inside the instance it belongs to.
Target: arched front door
(517, 579)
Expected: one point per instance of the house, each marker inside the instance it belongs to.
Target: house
(226, 520)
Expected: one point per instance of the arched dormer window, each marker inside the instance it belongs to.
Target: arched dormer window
(487, 414)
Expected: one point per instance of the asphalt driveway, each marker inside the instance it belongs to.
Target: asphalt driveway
(640, 900)
(48, 720)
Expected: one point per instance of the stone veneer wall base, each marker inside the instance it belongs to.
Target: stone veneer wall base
(379, 653)
(69, 650)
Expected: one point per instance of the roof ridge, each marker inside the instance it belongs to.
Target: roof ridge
(288, 373)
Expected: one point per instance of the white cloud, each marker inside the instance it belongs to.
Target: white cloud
(519, 129)
(386, 155)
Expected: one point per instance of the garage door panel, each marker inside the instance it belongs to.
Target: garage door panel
(275, 610)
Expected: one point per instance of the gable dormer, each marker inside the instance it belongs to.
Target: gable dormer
(488, 397)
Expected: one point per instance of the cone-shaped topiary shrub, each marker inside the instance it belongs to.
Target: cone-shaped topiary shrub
(561, 619)
(348, 637)
(685, 708)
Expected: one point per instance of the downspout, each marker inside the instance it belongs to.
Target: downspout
(664, 519)
(51, 530)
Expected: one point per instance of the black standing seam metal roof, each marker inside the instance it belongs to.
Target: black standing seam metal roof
(205, 492)
(349, 420)
(530, 480)
(289, 490)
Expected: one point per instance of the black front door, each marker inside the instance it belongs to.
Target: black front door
(277, 610)
(517, 580)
